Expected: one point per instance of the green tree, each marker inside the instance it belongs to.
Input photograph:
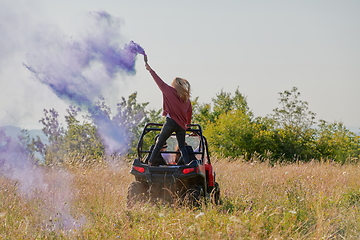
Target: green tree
(134, 116)
(264, 136)
(230, 128)
(294, 112)
(224, 102)
(81, 141)
(126, 124)
(232, 134)
(293, 131)
(335, 141)
(54, 131)
(201, 113)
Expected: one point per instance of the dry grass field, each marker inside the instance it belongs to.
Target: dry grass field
(297, 201)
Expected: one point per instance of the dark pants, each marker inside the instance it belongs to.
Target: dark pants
(169, 127)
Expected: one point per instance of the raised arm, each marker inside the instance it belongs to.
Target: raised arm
(161, 84)
(147, 66)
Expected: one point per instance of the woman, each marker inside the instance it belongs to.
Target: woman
(178, 111)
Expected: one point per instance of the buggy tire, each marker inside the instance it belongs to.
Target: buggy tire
(137, 192)
(194, 195)
(215, 194)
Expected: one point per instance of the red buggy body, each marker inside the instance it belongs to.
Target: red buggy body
(172, 180)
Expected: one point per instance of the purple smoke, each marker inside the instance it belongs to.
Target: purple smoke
(37, 182)
(15, 163)
(78, 71)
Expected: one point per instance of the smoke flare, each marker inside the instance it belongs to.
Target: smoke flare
(78, 71)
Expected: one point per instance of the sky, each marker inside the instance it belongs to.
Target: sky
(259, 47)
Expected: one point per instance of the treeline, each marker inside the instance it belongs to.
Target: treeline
(290, 133)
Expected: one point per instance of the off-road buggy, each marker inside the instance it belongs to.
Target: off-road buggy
(173, 181)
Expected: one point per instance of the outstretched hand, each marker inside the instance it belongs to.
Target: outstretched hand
(146, 63)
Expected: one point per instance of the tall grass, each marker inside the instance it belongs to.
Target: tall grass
(318, 200)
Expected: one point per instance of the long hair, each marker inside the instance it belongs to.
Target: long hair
(182, 87)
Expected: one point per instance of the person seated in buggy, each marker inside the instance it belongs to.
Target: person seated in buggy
(162, 158)
(179, 159)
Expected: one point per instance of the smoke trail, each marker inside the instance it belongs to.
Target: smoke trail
(15, 164)
(79, 71)
(35, 182)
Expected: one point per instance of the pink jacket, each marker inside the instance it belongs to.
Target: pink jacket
(179, 111)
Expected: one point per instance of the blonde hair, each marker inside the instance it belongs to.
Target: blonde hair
(182, 87)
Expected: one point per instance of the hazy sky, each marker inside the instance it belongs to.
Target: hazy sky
(260, 47)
